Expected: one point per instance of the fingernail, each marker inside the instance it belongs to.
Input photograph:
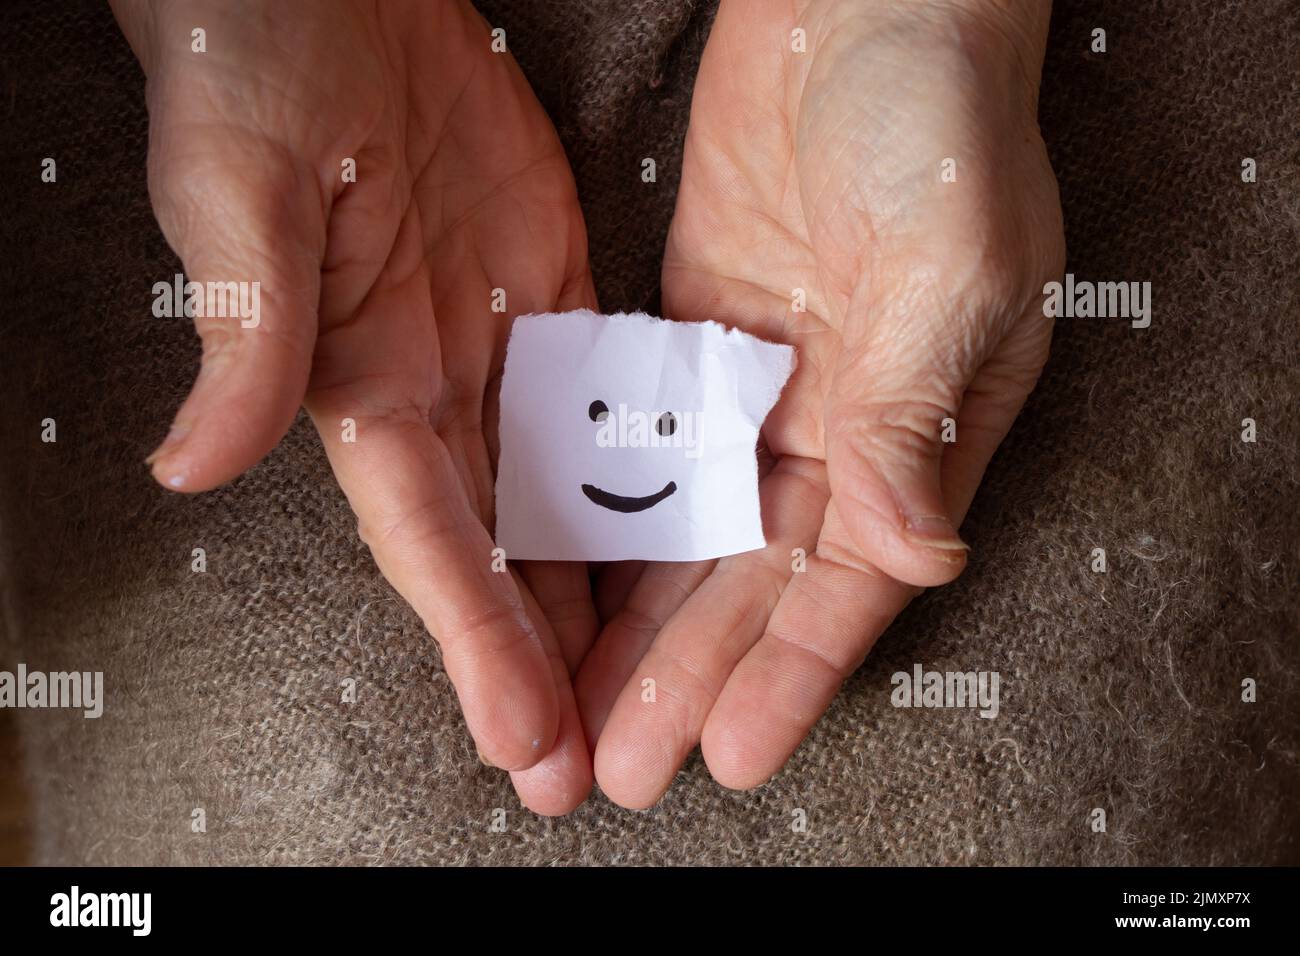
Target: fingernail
(171, 473)
(935, 531)
(173, 478)
(484, 760)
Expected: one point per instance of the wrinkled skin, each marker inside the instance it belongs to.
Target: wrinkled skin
(821, 171)
(817, 171)
(375, 306)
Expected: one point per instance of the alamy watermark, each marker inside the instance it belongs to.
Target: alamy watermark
(215, 300)
(58, 690)
(624, 428)
(130, 910)
(936, 689)
(1099, 300)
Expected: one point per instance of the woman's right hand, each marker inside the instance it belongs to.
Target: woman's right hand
(376, 306)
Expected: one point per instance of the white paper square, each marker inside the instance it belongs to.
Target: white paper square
(691, 485)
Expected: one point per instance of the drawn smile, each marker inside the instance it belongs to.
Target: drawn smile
(627, 505)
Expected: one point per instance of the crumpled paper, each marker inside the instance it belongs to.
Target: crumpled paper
(631, 437)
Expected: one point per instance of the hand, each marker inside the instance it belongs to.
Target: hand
(821, 171)
(375, 303)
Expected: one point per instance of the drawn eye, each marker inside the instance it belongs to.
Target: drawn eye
(598, 411)
(667, 424)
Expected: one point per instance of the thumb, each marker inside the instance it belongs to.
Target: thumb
(885, 423)
(250, 232)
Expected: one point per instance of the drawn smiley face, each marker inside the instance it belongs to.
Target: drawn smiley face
(627, 437)
(665, 426)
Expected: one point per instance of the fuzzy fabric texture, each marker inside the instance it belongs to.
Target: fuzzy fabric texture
(1119, 691)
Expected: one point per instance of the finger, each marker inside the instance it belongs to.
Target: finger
(827, 620)
(562, 779)
(988, 410)
(249, 227)
(635, 599)
(830, 617)
(559, 782)
(646, 739)
(562, 590)
(414, 514)
(657, 595)
(884, 426)
(579, 290)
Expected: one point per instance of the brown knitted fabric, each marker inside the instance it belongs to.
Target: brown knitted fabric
(1119, 690)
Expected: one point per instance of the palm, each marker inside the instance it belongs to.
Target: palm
(415, 344)
(810, 206)
(461, 189)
